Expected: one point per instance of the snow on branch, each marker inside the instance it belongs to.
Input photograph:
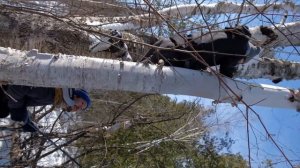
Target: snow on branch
(179, 11)
(50, 70)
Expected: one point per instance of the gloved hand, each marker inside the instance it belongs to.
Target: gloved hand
(30, 126)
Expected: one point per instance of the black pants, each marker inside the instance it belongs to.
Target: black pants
(4, 110)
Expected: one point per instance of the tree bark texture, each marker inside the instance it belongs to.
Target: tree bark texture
(50, 70)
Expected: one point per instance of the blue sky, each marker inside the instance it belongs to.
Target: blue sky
(282, 124)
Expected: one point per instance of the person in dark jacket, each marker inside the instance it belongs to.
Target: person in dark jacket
(228, 51)
(15, 99)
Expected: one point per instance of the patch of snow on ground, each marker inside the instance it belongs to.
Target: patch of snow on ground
(62, 125)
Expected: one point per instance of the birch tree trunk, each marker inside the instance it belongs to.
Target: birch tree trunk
(187, 10)
(26, 31)
(48, 70)
(269, 68)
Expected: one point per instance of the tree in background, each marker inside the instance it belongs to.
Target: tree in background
(166, 136)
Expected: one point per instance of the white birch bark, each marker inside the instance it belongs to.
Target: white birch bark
(269, 68)
(38, 69)
(179, 11)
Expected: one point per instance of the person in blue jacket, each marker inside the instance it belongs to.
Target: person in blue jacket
(15, 99)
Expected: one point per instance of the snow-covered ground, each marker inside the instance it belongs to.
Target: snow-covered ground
(65, 121)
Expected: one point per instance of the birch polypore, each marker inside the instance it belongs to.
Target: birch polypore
(48, 70)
